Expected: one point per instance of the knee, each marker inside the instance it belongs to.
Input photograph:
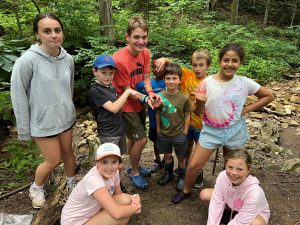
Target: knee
(53, 163)
(205, 195)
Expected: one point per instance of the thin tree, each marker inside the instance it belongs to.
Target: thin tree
(294, 12)
(266, 13)
(106, 20)
(234, 11)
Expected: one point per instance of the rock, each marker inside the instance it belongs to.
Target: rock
(291, 165)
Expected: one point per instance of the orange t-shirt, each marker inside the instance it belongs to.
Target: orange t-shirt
(189, 83)
(131, 70)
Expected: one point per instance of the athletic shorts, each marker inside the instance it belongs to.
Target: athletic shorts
(135, 124)
(119, 140)
(194, 134)
(233, 137)
(179, 143)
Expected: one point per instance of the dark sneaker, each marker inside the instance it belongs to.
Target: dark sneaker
(179, 185)
(165, 178)
(179, 197)
(176, 173)
(156, 166)
(199, 180)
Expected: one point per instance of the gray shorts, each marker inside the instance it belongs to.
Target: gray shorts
(120, 141)
(179, 143)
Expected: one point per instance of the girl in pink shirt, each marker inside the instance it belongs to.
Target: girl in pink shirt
(236, 194)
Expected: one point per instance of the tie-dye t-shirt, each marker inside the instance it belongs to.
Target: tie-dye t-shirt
(189, 83)
(225, 100)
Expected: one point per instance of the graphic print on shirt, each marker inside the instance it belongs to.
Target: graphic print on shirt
(138, 70)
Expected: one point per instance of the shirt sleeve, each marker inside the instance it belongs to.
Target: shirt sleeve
(20, 83)
(252, 86)
(217, 203)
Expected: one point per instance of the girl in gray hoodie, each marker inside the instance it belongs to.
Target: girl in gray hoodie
(41, 92)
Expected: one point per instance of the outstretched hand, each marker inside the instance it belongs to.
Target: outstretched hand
(154, 100)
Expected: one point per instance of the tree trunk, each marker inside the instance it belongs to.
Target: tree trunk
(16, 11)
(234, 11)
(36, 6)
(266, 13)
(294, 13)
(106, 20)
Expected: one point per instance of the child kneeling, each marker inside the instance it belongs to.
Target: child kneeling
(97, 198)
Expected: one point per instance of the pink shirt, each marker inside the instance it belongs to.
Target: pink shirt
(248, 199)
(81, 205)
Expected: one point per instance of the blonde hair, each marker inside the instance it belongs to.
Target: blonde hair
(136, 22)
(202, 54)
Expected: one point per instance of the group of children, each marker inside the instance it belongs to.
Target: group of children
(178, 99)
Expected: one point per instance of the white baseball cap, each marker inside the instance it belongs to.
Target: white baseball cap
(107, 149)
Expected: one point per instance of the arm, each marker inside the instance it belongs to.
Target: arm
(157, 117)
(187, 118)
(115, 210)
(200, 104)
(264, 96)
(115, 107)
(216, 204)
(20, 81)
(161, 62)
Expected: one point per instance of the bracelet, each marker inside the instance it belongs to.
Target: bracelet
(144, 99)
(150, 91)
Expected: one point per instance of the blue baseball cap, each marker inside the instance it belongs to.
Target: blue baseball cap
(104, 61)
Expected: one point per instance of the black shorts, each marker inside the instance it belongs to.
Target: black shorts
(179, 143)
(152, 134)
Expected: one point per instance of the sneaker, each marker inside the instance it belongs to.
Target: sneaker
(176, 173)
(179, 185)
(179, 197)
(37, 196)
(70, 186)
(165, 178)
(157, 165)
(199, 180)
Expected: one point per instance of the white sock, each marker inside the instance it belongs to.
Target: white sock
(70, 179)
(35, 186)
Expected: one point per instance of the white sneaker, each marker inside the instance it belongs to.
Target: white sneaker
(71, 186)
(37, 196)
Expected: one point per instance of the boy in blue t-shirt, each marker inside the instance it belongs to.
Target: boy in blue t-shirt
(158, 84)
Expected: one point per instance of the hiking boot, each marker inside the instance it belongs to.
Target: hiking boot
(199, 180)
(37, 196)
(157, 165)
(179, 185)
(176, 172)
(70, 186)
(165, 178)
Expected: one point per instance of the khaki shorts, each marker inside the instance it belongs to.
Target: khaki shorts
(135, 124)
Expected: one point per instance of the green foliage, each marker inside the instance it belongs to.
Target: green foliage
(5, 107)
(23, 158)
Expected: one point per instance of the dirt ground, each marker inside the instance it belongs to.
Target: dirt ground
(282, 191)
(281, 188)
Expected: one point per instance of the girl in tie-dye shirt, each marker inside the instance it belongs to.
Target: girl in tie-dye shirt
(221, 98)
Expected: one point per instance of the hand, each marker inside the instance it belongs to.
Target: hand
(136, 201)
(154, 100)
(160, 64)
(200, 97)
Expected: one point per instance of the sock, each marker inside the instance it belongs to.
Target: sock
(70, 179)
(35, 186)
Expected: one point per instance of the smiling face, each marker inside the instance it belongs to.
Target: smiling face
(237, 171)
(50, 33)
(229, 64)
(199, 67)
(137, 41)
(172, 82)
(108, 166)
(104, 75)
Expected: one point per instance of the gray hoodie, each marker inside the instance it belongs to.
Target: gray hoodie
(41, 93)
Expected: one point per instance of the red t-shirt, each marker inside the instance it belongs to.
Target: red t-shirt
(131, 70)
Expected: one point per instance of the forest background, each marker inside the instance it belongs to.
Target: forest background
(268, 29)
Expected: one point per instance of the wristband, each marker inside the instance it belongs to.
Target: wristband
(150, 91)
(144, 99)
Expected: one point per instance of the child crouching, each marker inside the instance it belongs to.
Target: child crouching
(97, 198)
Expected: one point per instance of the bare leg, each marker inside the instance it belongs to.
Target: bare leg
(198, 159)
(50, 149)
(205, 195)
(259, 220)
(67, 153)
(135, 155)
